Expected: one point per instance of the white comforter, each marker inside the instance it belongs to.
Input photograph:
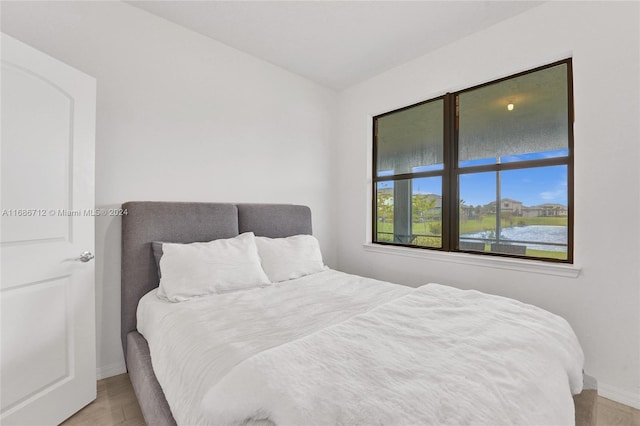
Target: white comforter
(333, 348)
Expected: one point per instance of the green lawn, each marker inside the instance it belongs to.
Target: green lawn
(562, 255)
(486, 223)
(470, 226)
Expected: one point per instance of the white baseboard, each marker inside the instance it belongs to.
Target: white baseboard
(619, 395)
(110, 370)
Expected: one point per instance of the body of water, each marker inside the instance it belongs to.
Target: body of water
(537, 235)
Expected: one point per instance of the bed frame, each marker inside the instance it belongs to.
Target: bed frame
(148, 221)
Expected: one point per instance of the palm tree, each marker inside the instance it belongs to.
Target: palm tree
(463, 204)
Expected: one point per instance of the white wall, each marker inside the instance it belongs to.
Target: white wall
(602, 304)
(182, 117)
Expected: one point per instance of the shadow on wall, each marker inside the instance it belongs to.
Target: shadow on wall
(108, 259)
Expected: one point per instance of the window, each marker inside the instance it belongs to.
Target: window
(486, 170)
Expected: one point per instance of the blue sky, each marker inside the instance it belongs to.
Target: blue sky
(532, 186)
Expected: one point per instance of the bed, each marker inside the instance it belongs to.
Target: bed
(251, 378)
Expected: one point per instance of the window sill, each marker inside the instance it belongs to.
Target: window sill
(532, 266)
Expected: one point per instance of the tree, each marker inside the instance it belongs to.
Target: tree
(385, 207)
(422, 205)
(463, 213)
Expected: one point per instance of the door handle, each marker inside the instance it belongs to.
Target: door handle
(85, 256)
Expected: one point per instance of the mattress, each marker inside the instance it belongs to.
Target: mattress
(229, 358)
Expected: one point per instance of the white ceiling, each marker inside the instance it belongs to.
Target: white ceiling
(336, 43)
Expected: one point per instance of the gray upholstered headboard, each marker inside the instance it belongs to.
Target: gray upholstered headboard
(148, 221)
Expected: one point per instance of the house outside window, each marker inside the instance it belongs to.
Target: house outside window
(486, 170)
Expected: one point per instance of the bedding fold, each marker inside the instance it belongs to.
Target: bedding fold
(437, 356)
(195, 343)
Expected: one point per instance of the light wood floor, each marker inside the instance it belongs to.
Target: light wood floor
(117, 405)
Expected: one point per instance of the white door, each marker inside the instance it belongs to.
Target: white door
(47, 295)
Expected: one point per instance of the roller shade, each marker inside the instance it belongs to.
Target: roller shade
(537, 123)
(410, 138)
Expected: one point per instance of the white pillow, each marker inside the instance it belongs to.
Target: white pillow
(198, 269)
(288, 258)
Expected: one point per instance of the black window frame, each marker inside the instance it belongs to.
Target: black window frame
(451, 171)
